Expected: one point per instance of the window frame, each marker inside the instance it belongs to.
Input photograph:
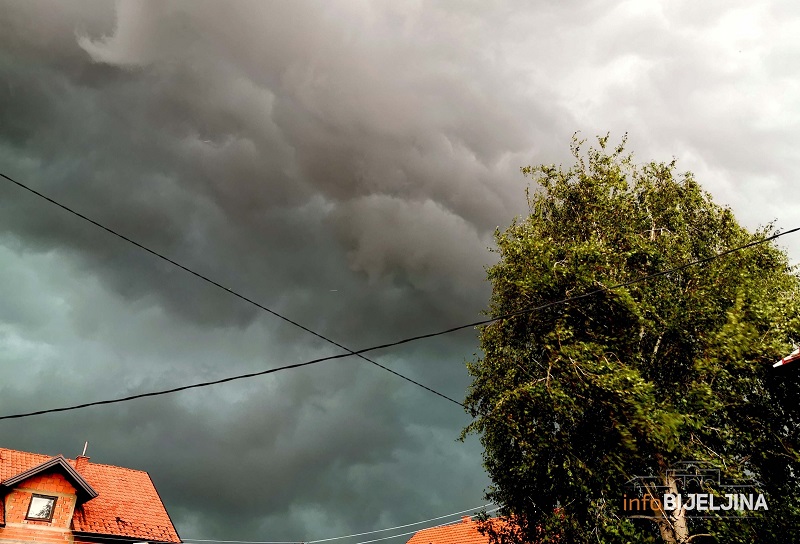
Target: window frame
(52, 508)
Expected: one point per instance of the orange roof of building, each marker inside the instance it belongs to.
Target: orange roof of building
(464, 532)
(127, 504)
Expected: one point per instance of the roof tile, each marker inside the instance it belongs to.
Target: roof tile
(127, 504)
(465, 532)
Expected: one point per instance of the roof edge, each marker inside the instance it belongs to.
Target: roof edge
(164, 507)
(122, 538)
(58, 461)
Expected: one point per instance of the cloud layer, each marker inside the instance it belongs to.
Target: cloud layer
(345, 165)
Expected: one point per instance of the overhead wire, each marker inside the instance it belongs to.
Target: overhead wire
(359, 352)
(220, 286)
(402, 526)
(128, 540)
(345, 536)
(319, 541)
(405, 340)
(449, 523)
(408, 533)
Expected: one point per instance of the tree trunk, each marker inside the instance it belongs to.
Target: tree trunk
(674, 528)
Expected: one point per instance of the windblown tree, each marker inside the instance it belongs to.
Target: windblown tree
(574, 399)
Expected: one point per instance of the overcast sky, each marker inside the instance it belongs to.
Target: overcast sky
(343, 163)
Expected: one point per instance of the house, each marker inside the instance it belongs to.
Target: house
(793, 356)
(54, 500)
(464, 532)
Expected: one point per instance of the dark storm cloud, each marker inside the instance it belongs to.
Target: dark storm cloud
(341, 173)
(344, 164)
(195, 144)
(343, 439)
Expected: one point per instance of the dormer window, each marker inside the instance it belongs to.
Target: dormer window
(41, 508)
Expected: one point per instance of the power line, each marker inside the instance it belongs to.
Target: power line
(413, 532)
(220, 286)
(584, 295)
(174, 389)
(128, 540)
(449, 523)
(344, 536)
(401, 526)
(405, 340)
(190, 540)
(389, 344)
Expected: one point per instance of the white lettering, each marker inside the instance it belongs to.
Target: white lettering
(731, 501)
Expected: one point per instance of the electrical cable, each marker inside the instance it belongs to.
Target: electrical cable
(397, 342)
(344, 536)
(129, 541)
(402, 526)
(220, 286)
(191, 540)
(410, 532)
(405, 340)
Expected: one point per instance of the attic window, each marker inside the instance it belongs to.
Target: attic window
(41, 508)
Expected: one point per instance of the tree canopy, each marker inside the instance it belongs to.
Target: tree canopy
(574, 400)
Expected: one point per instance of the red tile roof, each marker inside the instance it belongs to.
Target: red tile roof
(793, 356)
(127, 504)
(60, 464)
(464, 532)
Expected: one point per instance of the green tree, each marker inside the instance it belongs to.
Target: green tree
(573, 400)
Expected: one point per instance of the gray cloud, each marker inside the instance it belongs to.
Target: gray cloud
(345, 164)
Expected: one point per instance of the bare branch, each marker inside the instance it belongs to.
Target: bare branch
(697, 535)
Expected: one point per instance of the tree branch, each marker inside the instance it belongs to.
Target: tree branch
(655, 349)
(697, 535)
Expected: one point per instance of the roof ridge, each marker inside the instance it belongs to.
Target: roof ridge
(83, 488)
(29, 452)
(48, 456)
(115, 466)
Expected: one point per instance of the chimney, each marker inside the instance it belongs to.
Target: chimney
(80, 462)
(466, 519)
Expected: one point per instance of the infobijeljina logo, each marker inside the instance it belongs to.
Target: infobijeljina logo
(694, 488)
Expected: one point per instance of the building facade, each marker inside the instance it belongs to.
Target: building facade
(53, 500)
